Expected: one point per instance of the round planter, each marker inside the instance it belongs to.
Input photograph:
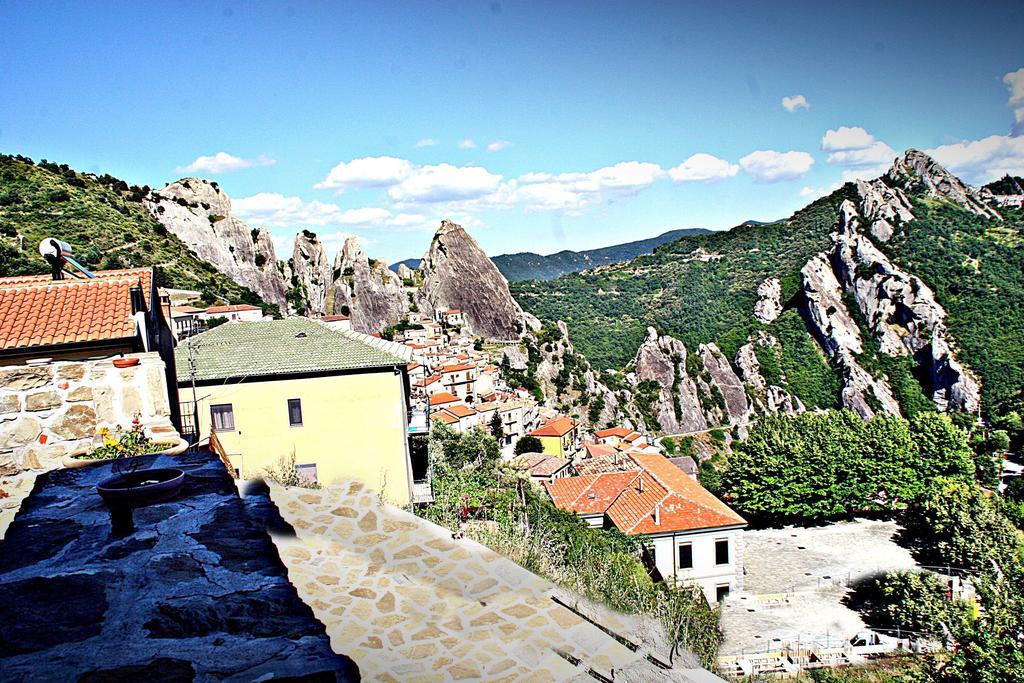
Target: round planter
(74, 462)
(142, 487)
(125, 362)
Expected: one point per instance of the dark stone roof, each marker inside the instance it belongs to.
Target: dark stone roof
(196, 591)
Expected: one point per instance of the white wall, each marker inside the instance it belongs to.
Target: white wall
(705, 572)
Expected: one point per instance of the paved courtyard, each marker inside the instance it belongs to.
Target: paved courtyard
(796, 579)
(409, 603)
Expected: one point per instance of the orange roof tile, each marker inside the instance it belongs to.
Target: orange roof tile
(457, 368)
(233, 308)
(459, 410)
(559, 426)
(445, 417)
(442, 397)
(631, 499)
(613, 431)
(38, 311)
(333, 318)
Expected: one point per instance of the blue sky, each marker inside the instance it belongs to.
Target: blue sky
(553, 125)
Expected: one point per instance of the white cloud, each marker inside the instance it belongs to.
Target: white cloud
(808, 191)
(795, 102)
(854, 147)
(846, 138)
(985, 160)
(366, 172)
(498, 145)
(426, 142)
(444, 182)
(222, 162)
(275, 209)
(1015, 82)
(702, 167)
(467, 144)
(769, 166)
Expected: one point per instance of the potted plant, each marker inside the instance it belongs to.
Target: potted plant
(131, 485)
(123, 362)
(122, 443)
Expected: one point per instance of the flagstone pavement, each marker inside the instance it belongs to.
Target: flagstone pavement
(409, 603)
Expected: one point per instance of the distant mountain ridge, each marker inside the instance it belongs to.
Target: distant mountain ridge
(527, 265)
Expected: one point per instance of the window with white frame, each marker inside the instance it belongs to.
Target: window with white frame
(222, 417)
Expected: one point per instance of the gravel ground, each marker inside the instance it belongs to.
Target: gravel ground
(811, 567)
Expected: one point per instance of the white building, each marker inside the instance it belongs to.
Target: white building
(235, 313)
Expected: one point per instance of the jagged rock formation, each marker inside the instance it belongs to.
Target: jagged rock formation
(837, 331)
(457, 274)
(567, 380)
(764, 398)
(676, 408)
(405, 272)
(310, 273)
(769, 300)
(366, 291)
(724, 377)
(917, 172)
(199, 213)
(886, 207)
(901, 312)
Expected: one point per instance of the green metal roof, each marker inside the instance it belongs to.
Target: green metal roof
(276, 347)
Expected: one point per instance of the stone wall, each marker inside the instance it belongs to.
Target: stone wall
(53, 410)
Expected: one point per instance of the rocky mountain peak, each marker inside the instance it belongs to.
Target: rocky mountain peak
(456, 273)
(916, 172)
(199, 213)
(365, 289)
(310, 272)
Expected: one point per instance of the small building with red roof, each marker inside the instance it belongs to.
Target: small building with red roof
(559, 436)
(692, 536)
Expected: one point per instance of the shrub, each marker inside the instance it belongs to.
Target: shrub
(529, 444)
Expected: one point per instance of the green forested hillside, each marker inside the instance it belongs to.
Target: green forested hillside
(703, 288)
(104, 221)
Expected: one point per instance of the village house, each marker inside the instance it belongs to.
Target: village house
(692, 536)
(234, 313)
(543, 468)
(337, 322)
(185, 320)
(336, 401)
(559, 436)
(460, 380)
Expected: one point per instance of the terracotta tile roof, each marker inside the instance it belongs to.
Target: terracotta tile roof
(333, 318)
(560, 426)
(459, 410)
(36, 310)
(590, 494)
(445, 417)
(631, 499)
(457, 368)
(442, 397)
(602, 464)
(595, 450)
(233, 308)
(613, 431)
(540, 465)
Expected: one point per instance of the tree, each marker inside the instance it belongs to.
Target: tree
(529, 444)
(497, 429)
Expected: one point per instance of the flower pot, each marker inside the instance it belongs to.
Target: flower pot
(142, 487)
(125, 362)
(75, 461)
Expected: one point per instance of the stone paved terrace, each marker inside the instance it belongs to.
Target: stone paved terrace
(197, 590)
(796, 579)
(408, 603)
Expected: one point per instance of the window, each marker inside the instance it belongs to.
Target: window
(722, 551)
(306, 473)
(222, 415)
(686, 556)
(295, 412)
(721, 592)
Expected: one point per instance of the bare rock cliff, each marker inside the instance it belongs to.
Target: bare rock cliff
(916, 171)
(310, 272)
(199, 213)
(366, 291)
(457, 274)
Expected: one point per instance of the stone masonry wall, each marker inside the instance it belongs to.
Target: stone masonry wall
(49, 411)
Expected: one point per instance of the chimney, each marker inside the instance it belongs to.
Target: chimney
(657, 515)
(640, 482)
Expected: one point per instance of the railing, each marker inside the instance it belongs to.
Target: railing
(218, 448)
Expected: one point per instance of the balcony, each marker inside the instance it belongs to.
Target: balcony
(418, 422)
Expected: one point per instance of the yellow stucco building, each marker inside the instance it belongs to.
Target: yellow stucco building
(275, 388)
(559, 437)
